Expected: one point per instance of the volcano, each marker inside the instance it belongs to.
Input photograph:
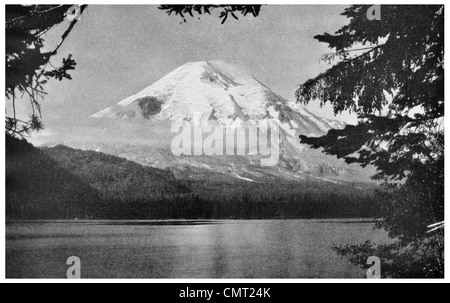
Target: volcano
(139, 127)
(225, 90)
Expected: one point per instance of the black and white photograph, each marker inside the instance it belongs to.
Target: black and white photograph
(223, 142)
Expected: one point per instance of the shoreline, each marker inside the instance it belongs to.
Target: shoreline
(183, 221)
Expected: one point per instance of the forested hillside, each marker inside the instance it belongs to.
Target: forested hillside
(116, 178)
(65, 183)
(36, 187)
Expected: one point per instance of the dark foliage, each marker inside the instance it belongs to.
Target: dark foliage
(225, 10)
(406, 213)
(28, 67)
(65, 183)
(404, 61)
(37, 188)
(418, 260)
(391, 73)
(296, 200)
(116, 178)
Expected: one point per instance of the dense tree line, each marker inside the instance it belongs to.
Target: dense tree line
(36, 187)
(300, 206)
(114, 177)
(391, 73)
(65, 183)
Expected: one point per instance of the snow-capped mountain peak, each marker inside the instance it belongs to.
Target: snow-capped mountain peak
(139, 127)
(220, 89)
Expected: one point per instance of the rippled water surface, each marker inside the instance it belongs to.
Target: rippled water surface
(185, 249)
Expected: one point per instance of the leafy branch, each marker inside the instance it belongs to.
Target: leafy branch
(26, 64)
(225, 10)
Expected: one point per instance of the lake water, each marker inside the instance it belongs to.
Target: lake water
(185, 249)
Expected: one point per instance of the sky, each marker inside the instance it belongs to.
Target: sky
(120, 50)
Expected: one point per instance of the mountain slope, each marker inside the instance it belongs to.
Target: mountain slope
(64, 183)
(222, 92)
(139, 127)
(114, 177)
(36, 187)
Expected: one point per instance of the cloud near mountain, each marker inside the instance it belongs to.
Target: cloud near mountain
(139, 127)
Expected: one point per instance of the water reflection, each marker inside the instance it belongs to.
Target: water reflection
(186, 249)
